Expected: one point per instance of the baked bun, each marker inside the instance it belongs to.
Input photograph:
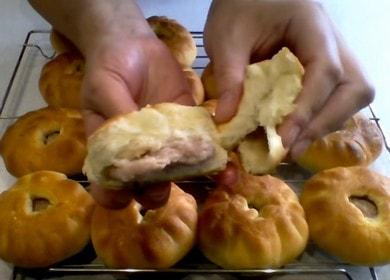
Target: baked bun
(163, 142)
(255, 223)
(60, 80)
(358, 143)
(261, 152)
(176, 37)
(270, 88)
(156, 239)
(195, 85)
(45, 139)
(44, 219)
(60, 43)
(348, 212)
(209, 84)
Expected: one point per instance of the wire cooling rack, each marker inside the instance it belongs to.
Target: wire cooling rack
(313, 264)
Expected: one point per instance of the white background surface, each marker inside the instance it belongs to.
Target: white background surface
(364, 24)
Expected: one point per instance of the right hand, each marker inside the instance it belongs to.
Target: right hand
(123, 75)
(334, 86)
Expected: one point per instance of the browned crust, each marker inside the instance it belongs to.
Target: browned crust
(60, 80)
(24, 147)
(40, 239)
(161, 239)
(176, 37)
(233, 236)
(339, 227)
(360, 142)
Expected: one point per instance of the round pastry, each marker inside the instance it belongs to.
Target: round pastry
(176, 37)
(195, 85)
(348, 212)
(60, 43)
(45, 139)
(208, 81)
(358, 143)
(60, 80)
(44, 219)
(157, 238)
(255, 223)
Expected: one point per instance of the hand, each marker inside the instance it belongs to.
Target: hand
(121, 77)
(127, 67)
(239, 32)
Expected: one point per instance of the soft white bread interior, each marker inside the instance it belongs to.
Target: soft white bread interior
(163, 142)
(261, 152)
(270, 88)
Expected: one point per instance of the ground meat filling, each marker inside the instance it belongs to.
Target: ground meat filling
(183, 151)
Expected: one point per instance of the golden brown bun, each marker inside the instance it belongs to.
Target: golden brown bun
(60, 43)
(196, 86)
(358, 143)
(60, 80)
(157, 239)
(38, 237)
(338, 226)
(45, 139)
(255, 223)
(163, 142)
(208, 81)
(176, 37)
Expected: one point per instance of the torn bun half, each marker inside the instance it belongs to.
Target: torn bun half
(163, 142)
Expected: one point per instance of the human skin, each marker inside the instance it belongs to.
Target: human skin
(127, 67)
(334, 85)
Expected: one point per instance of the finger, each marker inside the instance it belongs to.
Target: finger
(341, 106)
(92, 121)
(104, 96)
(167, 83)
(114, 199)
(353, 93)
(228, 176)
(318, 84)
(312, 40)
(153, 196)
(229, 72)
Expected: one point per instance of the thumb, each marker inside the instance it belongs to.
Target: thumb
(104, 97)
(229, 72)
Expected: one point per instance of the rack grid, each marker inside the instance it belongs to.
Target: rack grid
(194, 263)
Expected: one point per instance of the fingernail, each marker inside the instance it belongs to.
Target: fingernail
(299, 148)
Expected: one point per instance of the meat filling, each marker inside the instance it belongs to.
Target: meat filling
(183, 151)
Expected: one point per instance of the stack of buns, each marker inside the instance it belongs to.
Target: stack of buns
(251, 222)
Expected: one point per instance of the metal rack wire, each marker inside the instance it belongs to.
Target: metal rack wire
(300, 269)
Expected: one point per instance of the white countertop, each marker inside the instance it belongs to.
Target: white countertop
(364, 24)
